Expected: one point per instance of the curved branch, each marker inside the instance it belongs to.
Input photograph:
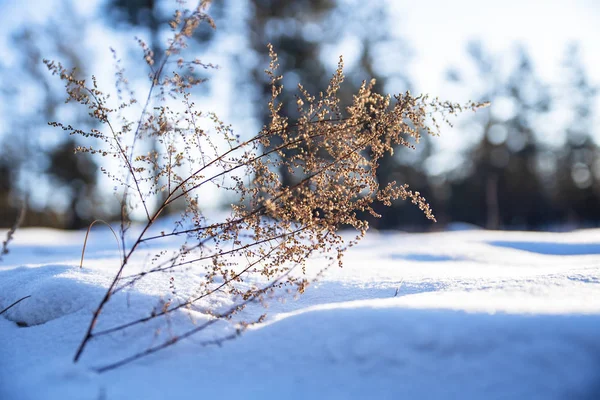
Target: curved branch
(14, 304)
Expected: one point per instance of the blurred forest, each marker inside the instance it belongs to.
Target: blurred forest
(511, 176)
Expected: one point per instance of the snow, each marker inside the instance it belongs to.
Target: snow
(466, 314)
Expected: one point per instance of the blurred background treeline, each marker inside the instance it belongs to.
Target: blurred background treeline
(530, 161)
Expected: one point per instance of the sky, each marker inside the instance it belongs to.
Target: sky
(436, 32)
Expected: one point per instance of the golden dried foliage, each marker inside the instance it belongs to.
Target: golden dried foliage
(265, 242)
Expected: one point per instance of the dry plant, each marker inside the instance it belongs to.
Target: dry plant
(11, 231)
(264, 243)
(9, 237)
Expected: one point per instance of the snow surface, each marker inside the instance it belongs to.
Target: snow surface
(466, 314)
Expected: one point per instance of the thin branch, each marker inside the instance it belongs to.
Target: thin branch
(13, 229)
(189, 302)
(122, 153)
(160, 268)
(14, 304)
(199, 328)
(108, 294)
(283, 146)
